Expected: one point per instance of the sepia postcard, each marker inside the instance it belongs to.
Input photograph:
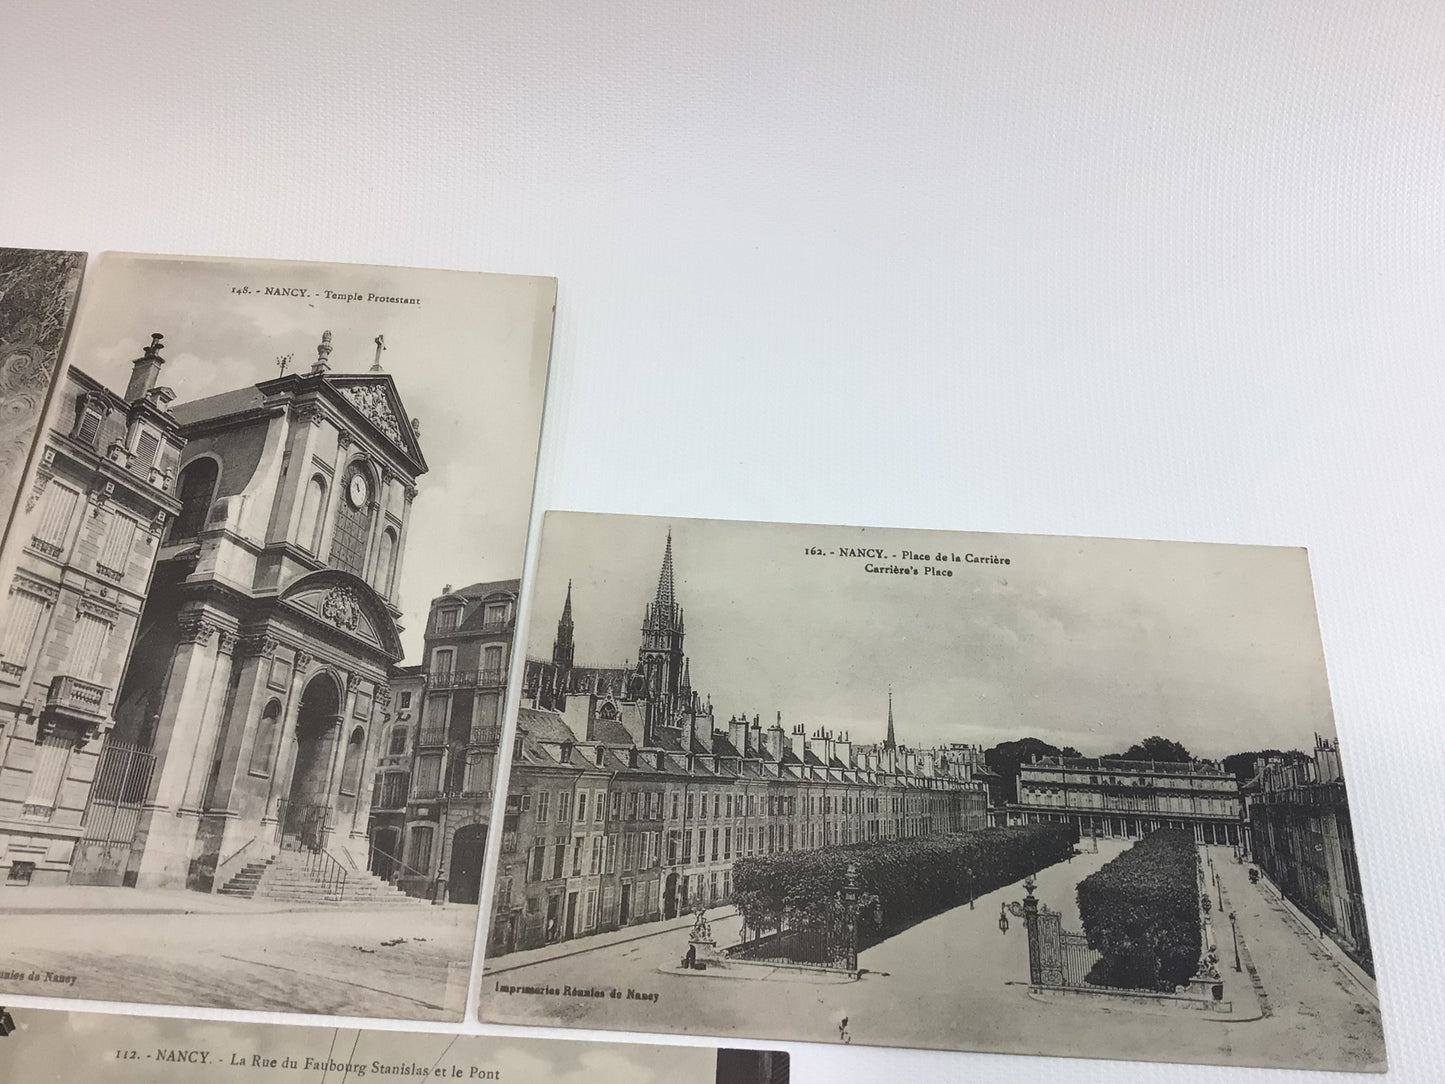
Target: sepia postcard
(38, 288)
(39, 1046)
(262, 489)
(1007, 793)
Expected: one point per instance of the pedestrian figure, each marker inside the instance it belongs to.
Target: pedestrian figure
(843, 1033)
(689, 961)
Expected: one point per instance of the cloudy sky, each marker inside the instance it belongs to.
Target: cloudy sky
(1095, 643)
(469, 361)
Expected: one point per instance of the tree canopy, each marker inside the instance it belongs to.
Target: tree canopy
(1164, 750)
(1006, 758)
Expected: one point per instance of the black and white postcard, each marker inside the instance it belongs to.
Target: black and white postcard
(39, 1046)
(263, 486)
(1005, 793)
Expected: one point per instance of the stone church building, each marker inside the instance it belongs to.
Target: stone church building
(258, 681)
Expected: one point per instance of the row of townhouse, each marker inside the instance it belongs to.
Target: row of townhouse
(600, 833)
(1302, 837)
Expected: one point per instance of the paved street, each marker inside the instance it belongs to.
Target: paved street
(146, 949)
(957, 982)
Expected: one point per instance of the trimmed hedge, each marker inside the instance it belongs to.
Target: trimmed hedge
(902, 882)
(1141, 911)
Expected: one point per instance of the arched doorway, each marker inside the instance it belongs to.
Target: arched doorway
(469, 846)
(669, 897)
(317, 726)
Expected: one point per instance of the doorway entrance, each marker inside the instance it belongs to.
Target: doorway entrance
(669, 897)
(307, 802)
(469, 846)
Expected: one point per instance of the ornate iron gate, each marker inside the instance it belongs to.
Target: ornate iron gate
(1057, 957)
(112, 815)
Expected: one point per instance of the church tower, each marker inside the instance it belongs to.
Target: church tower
(890, 742)
(562, 646)
(660, 656)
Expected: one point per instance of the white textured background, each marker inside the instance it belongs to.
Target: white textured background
(1113, 268)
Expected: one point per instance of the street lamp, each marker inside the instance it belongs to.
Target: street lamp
(1219, 890)
(1234, 929)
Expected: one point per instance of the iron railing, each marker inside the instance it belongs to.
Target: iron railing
(468, 679)
(327, 872)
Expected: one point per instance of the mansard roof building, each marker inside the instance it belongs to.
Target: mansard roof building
(629, 801)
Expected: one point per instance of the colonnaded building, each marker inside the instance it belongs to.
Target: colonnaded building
(628, 801)
(1128, 799)
(200, 636)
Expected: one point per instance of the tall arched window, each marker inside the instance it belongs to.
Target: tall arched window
(351, 766)
(353, 521)
(264, 747)
(195, 489)
(386, 563)
(308, 534)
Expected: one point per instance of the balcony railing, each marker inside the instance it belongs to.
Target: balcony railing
(71, 694)
(468, 679)
(486, 734)
(432, 734)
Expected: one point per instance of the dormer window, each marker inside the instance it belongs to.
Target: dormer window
(147, 444)
(496, 614)
(447, 619)
(93, 411)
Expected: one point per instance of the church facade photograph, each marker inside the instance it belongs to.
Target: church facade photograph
(212, 595)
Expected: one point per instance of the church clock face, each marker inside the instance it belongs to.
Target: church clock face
(356, 491)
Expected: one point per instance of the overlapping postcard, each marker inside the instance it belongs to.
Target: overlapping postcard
(963, 791)
(38, 289)
(48, 1047)
(224, 779)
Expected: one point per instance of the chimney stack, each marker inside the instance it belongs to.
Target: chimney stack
(146, 369)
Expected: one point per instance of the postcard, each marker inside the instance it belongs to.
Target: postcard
(38, 288)
(262, 488)
(1004, 793)
(40, 1046)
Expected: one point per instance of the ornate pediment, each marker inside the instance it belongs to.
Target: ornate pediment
(375, 405)
(345, 603)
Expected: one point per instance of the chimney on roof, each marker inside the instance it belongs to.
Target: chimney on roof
(738, 734)
(773, 740)
(146, 369)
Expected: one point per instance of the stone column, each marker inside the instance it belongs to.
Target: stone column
(333, 498)
(166, 832)
(376, 733)
(302, 439)
(284, 758)
(210, 724)
(339, 734)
